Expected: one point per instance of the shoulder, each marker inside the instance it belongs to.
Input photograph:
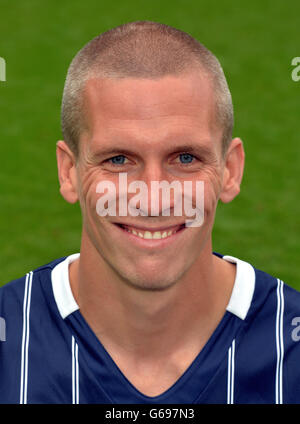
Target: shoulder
(29, 319)
(268, 344)
(12, 294)
(268, 291)
(272, 336)
(274, 298)
(31, 292)
(272, 306)
(279, 293)
(278, 302)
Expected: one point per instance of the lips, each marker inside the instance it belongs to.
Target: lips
(152, 233)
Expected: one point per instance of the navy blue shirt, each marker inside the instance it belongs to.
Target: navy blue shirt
(49, 354)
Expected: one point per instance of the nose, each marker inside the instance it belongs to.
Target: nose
(157, 199)
(153, 171)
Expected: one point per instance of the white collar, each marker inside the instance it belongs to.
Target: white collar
(239, 303)
(243, 289)
(61, 287)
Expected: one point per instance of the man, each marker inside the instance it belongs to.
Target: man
(147, 313)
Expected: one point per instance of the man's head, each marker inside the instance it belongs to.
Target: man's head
(138, 100)
(141, 50)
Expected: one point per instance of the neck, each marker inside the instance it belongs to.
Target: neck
(147, 323)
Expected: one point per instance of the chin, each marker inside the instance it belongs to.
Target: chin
(150, 286)
(152, 279)
(153, 285)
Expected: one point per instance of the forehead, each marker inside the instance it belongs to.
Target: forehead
(149, 109)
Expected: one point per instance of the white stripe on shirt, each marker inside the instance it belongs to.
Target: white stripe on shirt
(25, 338)
(230, 373)
(279, 342)
(75, 372)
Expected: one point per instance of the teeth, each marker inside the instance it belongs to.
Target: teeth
(148, 235)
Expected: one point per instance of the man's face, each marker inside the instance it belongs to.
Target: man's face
(153, 130)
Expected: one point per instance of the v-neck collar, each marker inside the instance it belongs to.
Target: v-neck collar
(187, 388)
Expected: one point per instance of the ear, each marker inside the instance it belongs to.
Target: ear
(233, 172)
(67, 176)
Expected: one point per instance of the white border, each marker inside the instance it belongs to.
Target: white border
(61, 287)
(243, 289)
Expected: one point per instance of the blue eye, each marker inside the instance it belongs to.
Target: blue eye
(186, 158)
(118, 160)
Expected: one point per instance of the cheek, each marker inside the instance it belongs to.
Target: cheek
(212, 183)
(210, 199)
(87, 192)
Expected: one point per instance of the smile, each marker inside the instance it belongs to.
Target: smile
(150, 233)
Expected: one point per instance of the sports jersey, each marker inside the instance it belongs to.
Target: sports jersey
(50, 354)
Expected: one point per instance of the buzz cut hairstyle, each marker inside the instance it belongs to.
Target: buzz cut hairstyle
(141, 49)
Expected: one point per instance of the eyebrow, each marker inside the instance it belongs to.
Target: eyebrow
(190, 148)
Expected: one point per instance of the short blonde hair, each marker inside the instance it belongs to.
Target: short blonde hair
(141, 49)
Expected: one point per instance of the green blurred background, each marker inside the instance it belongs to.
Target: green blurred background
(255, 42)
